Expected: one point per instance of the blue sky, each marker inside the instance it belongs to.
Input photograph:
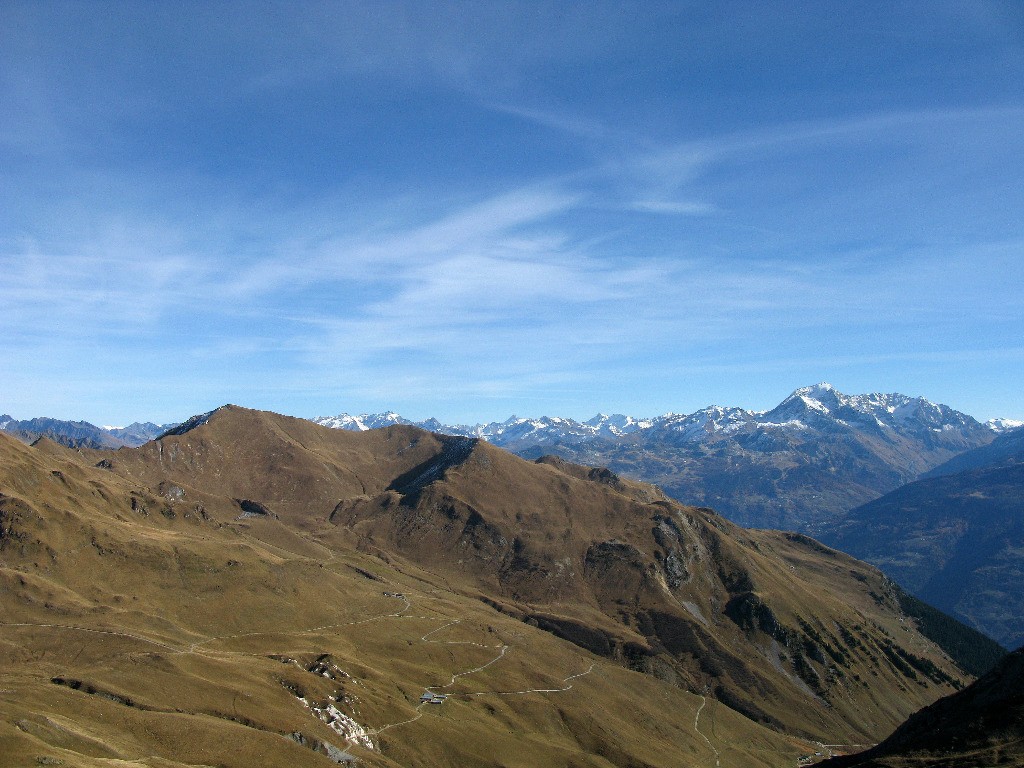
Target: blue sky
(468, 210)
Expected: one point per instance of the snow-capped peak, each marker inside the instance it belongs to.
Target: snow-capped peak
(819, 408)
(713, 419)
(616, 424)
(820, 398)
(1002, 425)
(817, 389)
(362, 422)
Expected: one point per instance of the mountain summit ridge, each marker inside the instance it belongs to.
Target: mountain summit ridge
(822, 398)
(545, 428)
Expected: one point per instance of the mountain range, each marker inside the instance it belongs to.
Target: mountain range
(813, 457)
(810, 464)
(81, 434)
(252, 587)
(816, 455)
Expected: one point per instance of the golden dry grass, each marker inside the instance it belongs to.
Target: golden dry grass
(147, 620)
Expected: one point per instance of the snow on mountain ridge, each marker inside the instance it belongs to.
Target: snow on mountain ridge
(713, 419)
(617, 424)
(362, 422)
(823, 405)
(817, 407)
(996, 425)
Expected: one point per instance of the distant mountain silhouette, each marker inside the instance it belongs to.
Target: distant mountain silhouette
(80, 434)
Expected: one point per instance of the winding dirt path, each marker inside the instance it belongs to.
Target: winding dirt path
(503, 650)
(197, 648)
(113, 632)
(696, 727)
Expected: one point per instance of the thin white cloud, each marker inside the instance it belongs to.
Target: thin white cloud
(674, 207)
(115, 283)
(515, 258)
(674, 166)
(517, 290)
(564, 122)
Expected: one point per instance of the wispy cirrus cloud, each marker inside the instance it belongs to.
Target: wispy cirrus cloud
(501, 202)
(114, 282)
(673, 207)
(505, 289)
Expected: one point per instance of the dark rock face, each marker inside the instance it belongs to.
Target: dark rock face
(253, 509)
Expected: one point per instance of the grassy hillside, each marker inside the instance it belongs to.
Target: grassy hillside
(172, 630)
(262, 589)
(979, 727)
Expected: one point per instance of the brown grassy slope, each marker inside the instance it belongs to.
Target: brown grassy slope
(782, 629)
(298, 469)
(978, 727)
(792, 634)
(165, 631)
